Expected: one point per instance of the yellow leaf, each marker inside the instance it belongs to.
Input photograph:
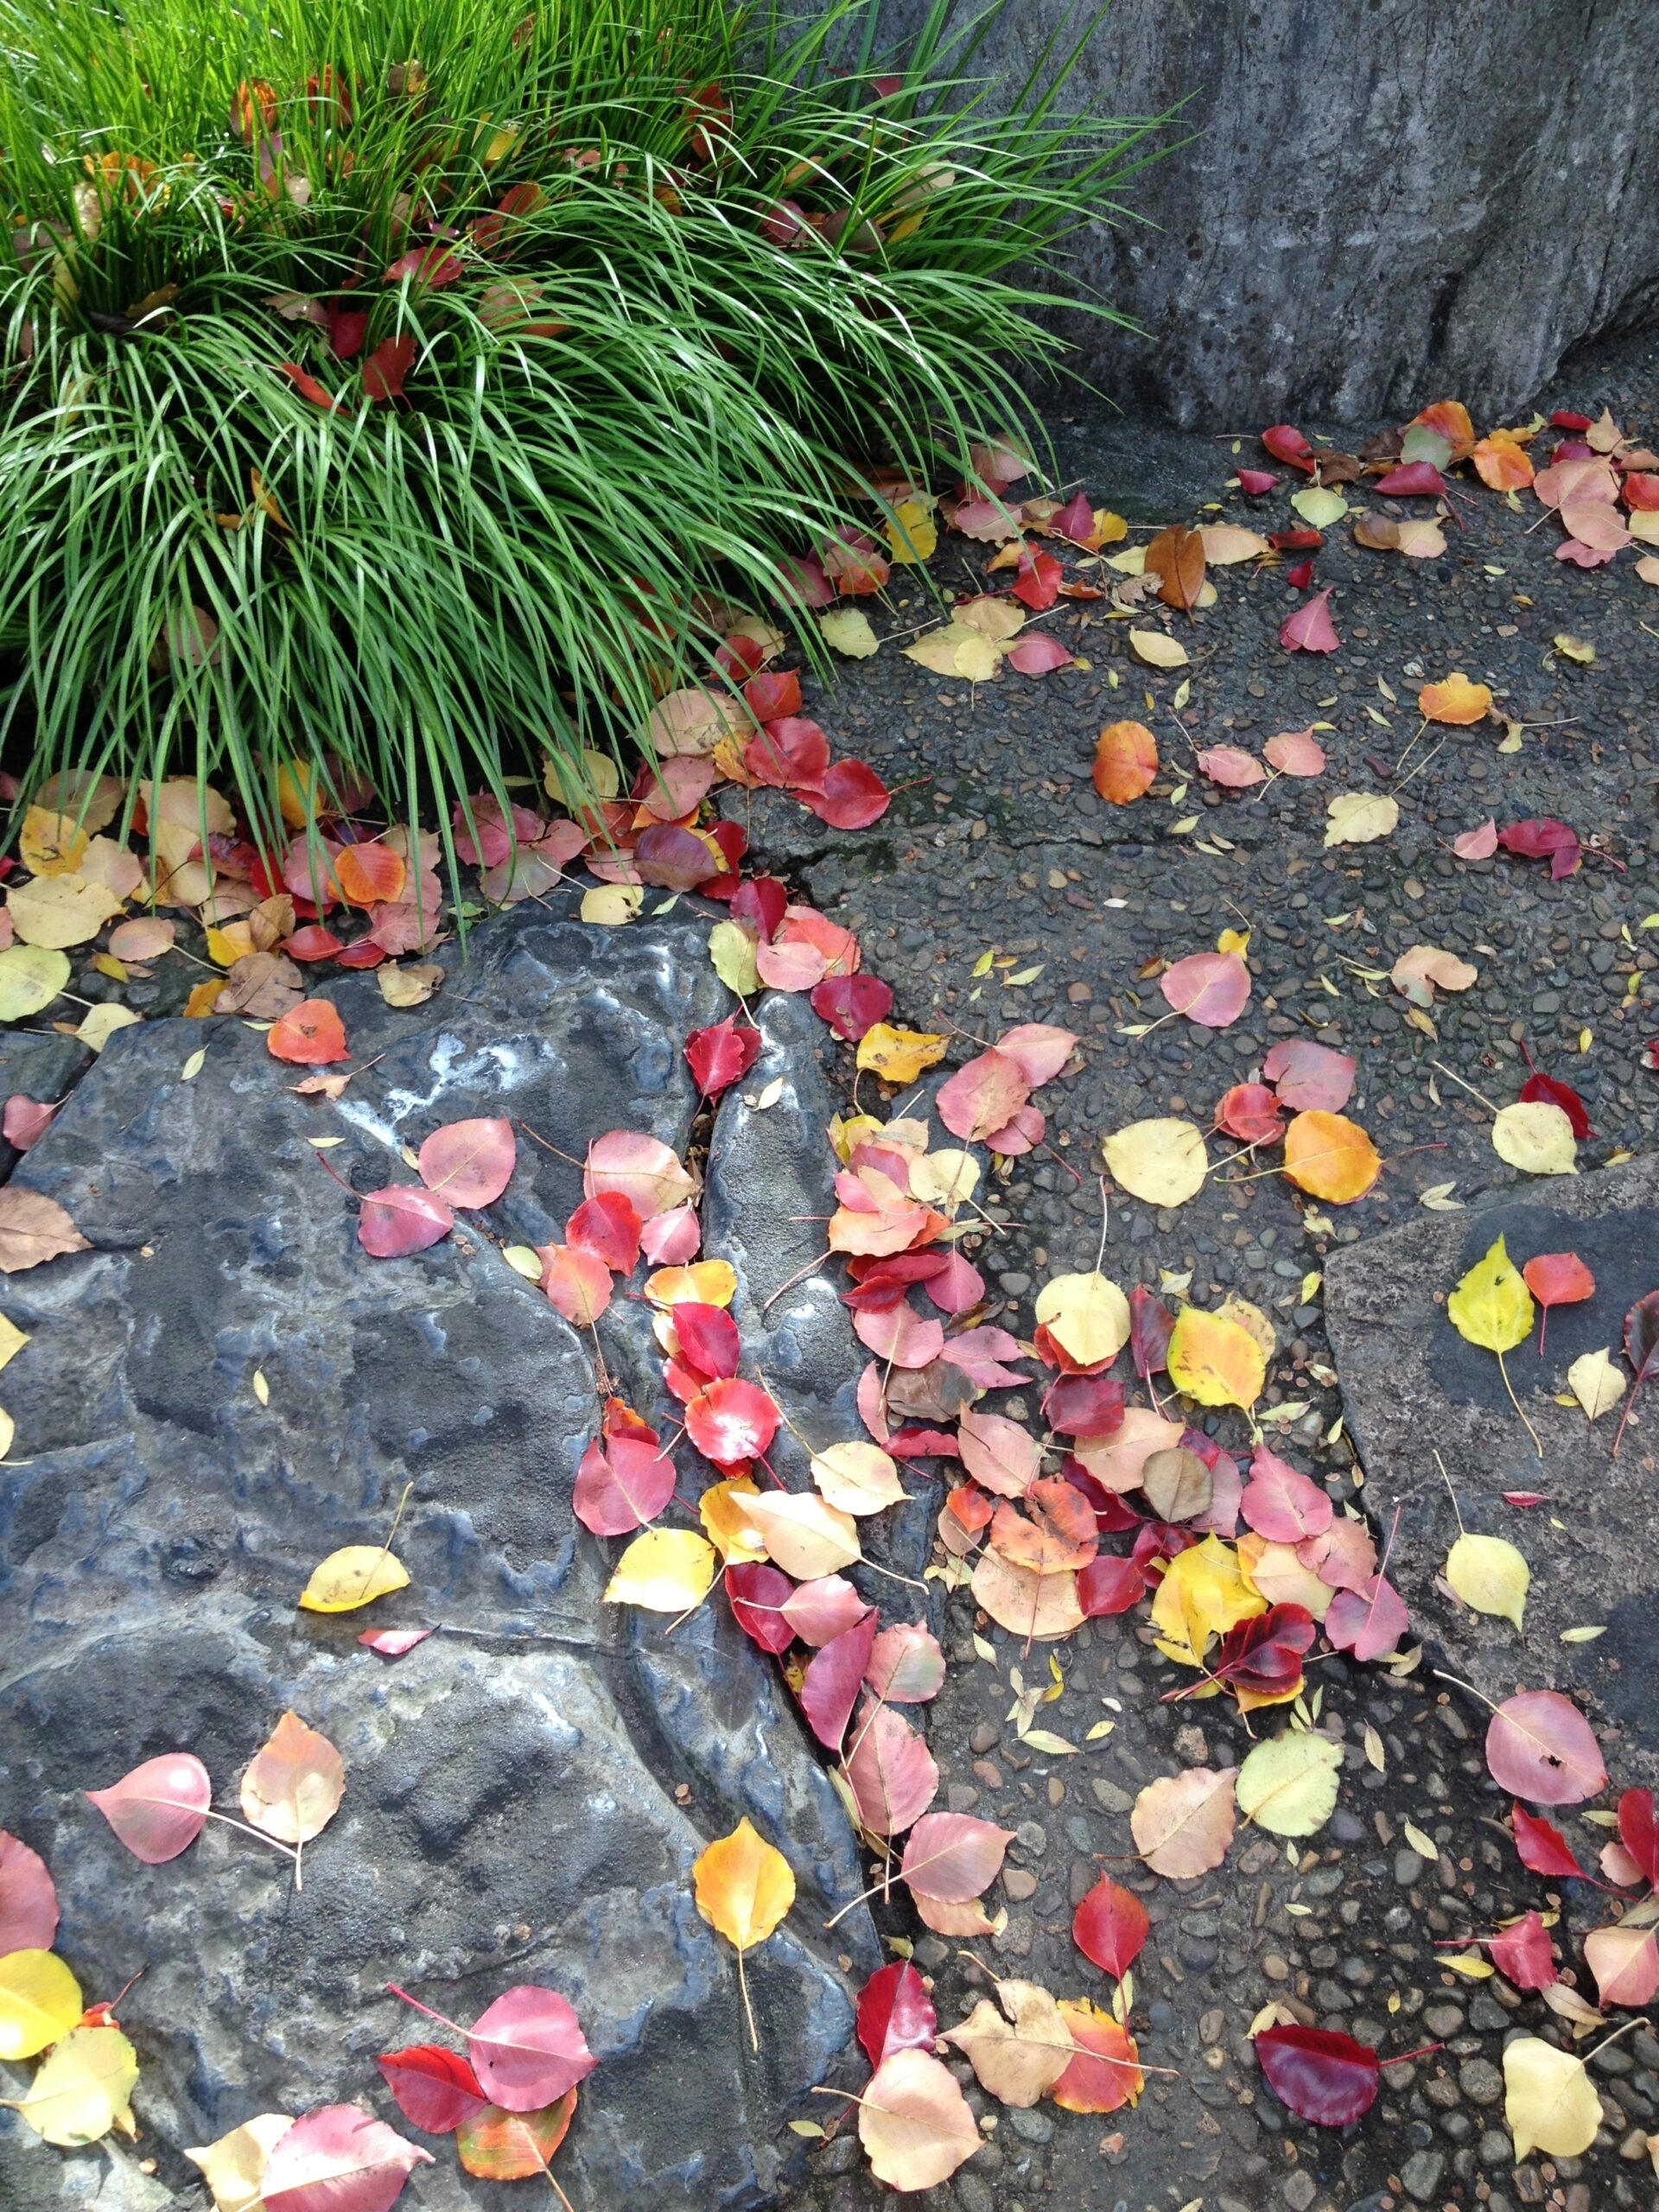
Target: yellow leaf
(1156, 649)
(1359, 818)
(1237, 941)
(857, 1478)
(1489, 1574)
(1535, 1137)
(743, 1886)
(664, 1571)
(804, 1535)
(1587, 1634)
(1548, 2100)
(913, 533)
(1288, 1784)
(1214, 1360)
(1161, 1162)
(848, 631)
(50, 843)
(723, 1509)
(234, 2166)
(39, 2000)
(30, 978)
(612, 905)
(1424, 1845)
(731, 949)
(1319, 506)
(12, 1340)
(1469, 1964)
(353, 1576)
(1087, 1316)
(1577, 649)
(262, 1391)
(101, 1023)
(701, 1282)
(56, 910)
(899, 1056)
(524, 1260)
(1492, 1306)
(84, 2088)
(203, 998)
(1203, 1594)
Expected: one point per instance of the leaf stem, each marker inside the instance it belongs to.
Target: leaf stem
(259, 1835)
(1521, 1416)
(443, 2022)
(748, 2010)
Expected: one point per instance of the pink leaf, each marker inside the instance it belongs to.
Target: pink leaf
(957, 1288)
(393, 1643)
(1040, 655)
(951, 1857)
(1039, 1049)
(1231, 767)
(469, 1163)
(26, 1120)
(820, 1611)
(1522, 1953)
(1477, 844)
(1539, 1745)
(339, 2159)
(1021, 1134)
(1309, 628)
(982, 1095)
(980, 1353)
(906, 1666)
(900, 1335)
(731, 1420)
(1341, 1554)
(831, 1684)
(1369, 1622)
(756, 1592)
(528, 2048)
(1281, 1504)
(1294, 753)
(28, 1898)
(622, 1483)
(160, 1808)
(1211, 988)
(1250, 1112)
(1310, 1077)
(891, 1771)
(401, 1219)
(668, 1240)
(575, 1282)
(1255, 481)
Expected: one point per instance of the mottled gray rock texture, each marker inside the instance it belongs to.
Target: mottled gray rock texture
(525, 1792)
(1412, 1387)
(1379, 204)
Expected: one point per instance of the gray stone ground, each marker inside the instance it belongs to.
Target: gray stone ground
(1005, 848)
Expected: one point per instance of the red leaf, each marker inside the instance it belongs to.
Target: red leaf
(1541, 837)
(1084, 1405)
(1110, 1585)
(367, 952)
(26, 1120)
(309, 1034)
(312, 943)
(853, 796)
(1539, 1745)
(386, 367)
(622, 1483)
(1255, 481)
(469, 1163)
(1300, 576)
(852, 1005)
(528, 2049)
(1264, 1654)
(1411, 480)
(1151, 1326)
(757, 1593)
(308, 387)
(1526, 1498)
(339, 2159)
(1556, 1279)
(772, 693)
(707, 1339)
(1564, 419)
(160, 1808)
(1638, 1834)
(608, 1225)
(895, 2012)
(1320, 2073)
(401, 1219)
(1553, 1093)
(435, 2089)
(1642, 1349)
(1522, 1953)
(1296, 541)
(433, 266)
(1309, 628)
(792, 753)
(1250, 1112)
(1109, 1927)
(347, 329)
(1287, 444)
(1038, 584)
(763, 901)
(28, 1898)
(721, 1055)
(731, 1420)
(672, 858)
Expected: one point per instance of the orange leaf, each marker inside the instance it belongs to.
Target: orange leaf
(1126, 760)
(1502, 466)
(500, 2145)
(1176, 555)
(370, 874)
(1106, 2071)
(1451, 419)
(1330, 1158)
(292, 1786)
(1457, 700)
(309, 1034)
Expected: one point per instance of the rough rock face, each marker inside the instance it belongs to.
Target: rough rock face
(1411, 1386)
(526, 1790)
(1380, 205)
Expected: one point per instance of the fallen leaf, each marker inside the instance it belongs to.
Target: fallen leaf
(33, 1229)
(1320, 2074)
(1360, 818)
(234, 2166)
(353, 1576)
(1018, 2046)
(1331, 1157)
(1288, 1784)
(1455, 701)
(40, 2002)
(339, 2159)
(292, 1786)
(1126, 760)
(1549, 2102)
(84, 2088)
(1596, 1383)
(1155, 647)
(915, 2122)
(1162, 1163)
(160, 1808)
(1183, 1823)
(1540, 1747)
(1489, 1574)
(1109, 1927)
(664, 1571)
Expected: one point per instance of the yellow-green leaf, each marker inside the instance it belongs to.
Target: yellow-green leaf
(1288, 1784)
(731, 947)
(1492, 1306)
(84, 2088)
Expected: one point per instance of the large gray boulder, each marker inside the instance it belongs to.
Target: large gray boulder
(525, 1791)
(1381, 203)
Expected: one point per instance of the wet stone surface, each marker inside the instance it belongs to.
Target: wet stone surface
(526, 1791)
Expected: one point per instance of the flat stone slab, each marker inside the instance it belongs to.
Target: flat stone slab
(1412, 1386)
(525, 1791)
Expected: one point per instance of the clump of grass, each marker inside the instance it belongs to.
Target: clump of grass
(393, 388)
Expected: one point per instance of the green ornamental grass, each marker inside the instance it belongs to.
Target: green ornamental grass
(394, 389)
